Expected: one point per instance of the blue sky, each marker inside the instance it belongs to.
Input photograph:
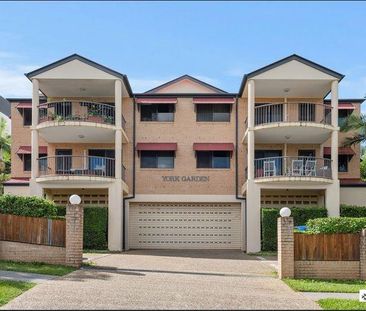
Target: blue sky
(153, 42)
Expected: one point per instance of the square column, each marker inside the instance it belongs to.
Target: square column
(118, 103)
(115, 216)
(118, 133)
(334, 139)
(34, 132)
(253, 206)
(332, 199)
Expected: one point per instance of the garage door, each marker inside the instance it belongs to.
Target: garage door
(185, 225)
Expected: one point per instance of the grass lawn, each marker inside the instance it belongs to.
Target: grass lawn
(263, 254)
(11, 289)
(33, 267)
(341, 304)
(330, 286)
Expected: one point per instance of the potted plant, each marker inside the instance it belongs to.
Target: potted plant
(94, 115)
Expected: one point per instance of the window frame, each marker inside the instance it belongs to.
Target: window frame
(212, 158)
(156, 112)
(29, 111)
(156, 154)
(212, 112)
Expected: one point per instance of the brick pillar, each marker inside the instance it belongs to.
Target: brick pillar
(363, 255)
(285, 239)
(74, 235)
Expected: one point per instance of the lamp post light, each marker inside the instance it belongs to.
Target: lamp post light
(285, 212)
(75, 199)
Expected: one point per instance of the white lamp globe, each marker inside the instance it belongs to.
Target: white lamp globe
(285, 212)
(75, 199)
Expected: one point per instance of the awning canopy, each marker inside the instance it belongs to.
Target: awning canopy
(346, 106)
(156, 146)
(24, 106)
(213, 100)
(213, 146)
(28, 150)
(341, 151)
(167, 100)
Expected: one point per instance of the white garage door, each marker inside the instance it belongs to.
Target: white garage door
(185, 225)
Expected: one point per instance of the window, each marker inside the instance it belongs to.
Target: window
(343, 114)
(27, 162)
(213, 112)
(213, 159)
(27, 117)
(157, 159)
(343, 163)
(157, 112)
(307, 112)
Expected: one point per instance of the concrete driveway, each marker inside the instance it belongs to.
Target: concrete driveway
(167, 280)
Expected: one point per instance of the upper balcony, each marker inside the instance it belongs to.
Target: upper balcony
(292, 122)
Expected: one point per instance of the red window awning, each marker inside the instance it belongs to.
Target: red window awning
(213, 146)
(156, 146)
(24, 106)
(28, 150)
(167, 100)
(341, 151)
(346, 106)
(213, 100)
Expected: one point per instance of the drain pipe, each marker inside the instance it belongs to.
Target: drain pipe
(236, 168)
(133, 177)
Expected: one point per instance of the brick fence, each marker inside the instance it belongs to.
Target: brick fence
(71, 254)
(336, 256)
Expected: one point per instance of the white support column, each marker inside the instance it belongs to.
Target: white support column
(118, 154)
(34, 133)
(332, 199)
(251, 116)
(253, 206)
(118, 102)
(115, 217)
(334, 139)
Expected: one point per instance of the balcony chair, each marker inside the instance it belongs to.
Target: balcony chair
(310, 168)
(269, 167)
(297, 168)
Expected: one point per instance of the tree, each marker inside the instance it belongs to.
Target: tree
(358, 125)
(5, 142)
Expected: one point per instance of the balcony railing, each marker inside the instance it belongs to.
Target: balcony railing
(292, 167)
(77, 111)
(292, 112)
(76, 166)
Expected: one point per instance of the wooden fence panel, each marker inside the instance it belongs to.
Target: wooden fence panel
(338, 246)
(34, 230)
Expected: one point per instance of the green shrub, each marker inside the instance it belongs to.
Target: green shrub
(95, 226)
(352, 211)
(27, 206)
(269, 222)
(336, 225)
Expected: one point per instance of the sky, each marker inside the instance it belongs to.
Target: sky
(154, 42)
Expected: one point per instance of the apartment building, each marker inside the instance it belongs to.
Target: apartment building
(186, 164)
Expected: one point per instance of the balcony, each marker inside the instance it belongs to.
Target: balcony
(292, 122)
(308, 169)
(81, 122)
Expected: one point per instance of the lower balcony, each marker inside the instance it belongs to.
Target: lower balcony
(82, 170)
(297, 169)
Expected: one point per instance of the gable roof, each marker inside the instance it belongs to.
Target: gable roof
(84, 60)
(181, 78)
(284, 61)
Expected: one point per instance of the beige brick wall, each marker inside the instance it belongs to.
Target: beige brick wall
(186, 131)
(285, 236)
(327, 269)
(32, 253)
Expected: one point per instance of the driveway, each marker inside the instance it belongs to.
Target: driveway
(167, 280)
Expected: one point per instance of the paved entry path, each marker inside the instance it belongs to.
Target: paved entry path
(167, 280)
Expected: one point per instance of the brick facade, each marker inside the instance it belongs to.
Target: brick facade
(74, 235)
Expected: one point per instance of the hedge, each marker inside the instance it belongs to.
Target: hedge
(352, 211)
(269, 222)
(27, 206)
(336, 225)
(95, 226)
